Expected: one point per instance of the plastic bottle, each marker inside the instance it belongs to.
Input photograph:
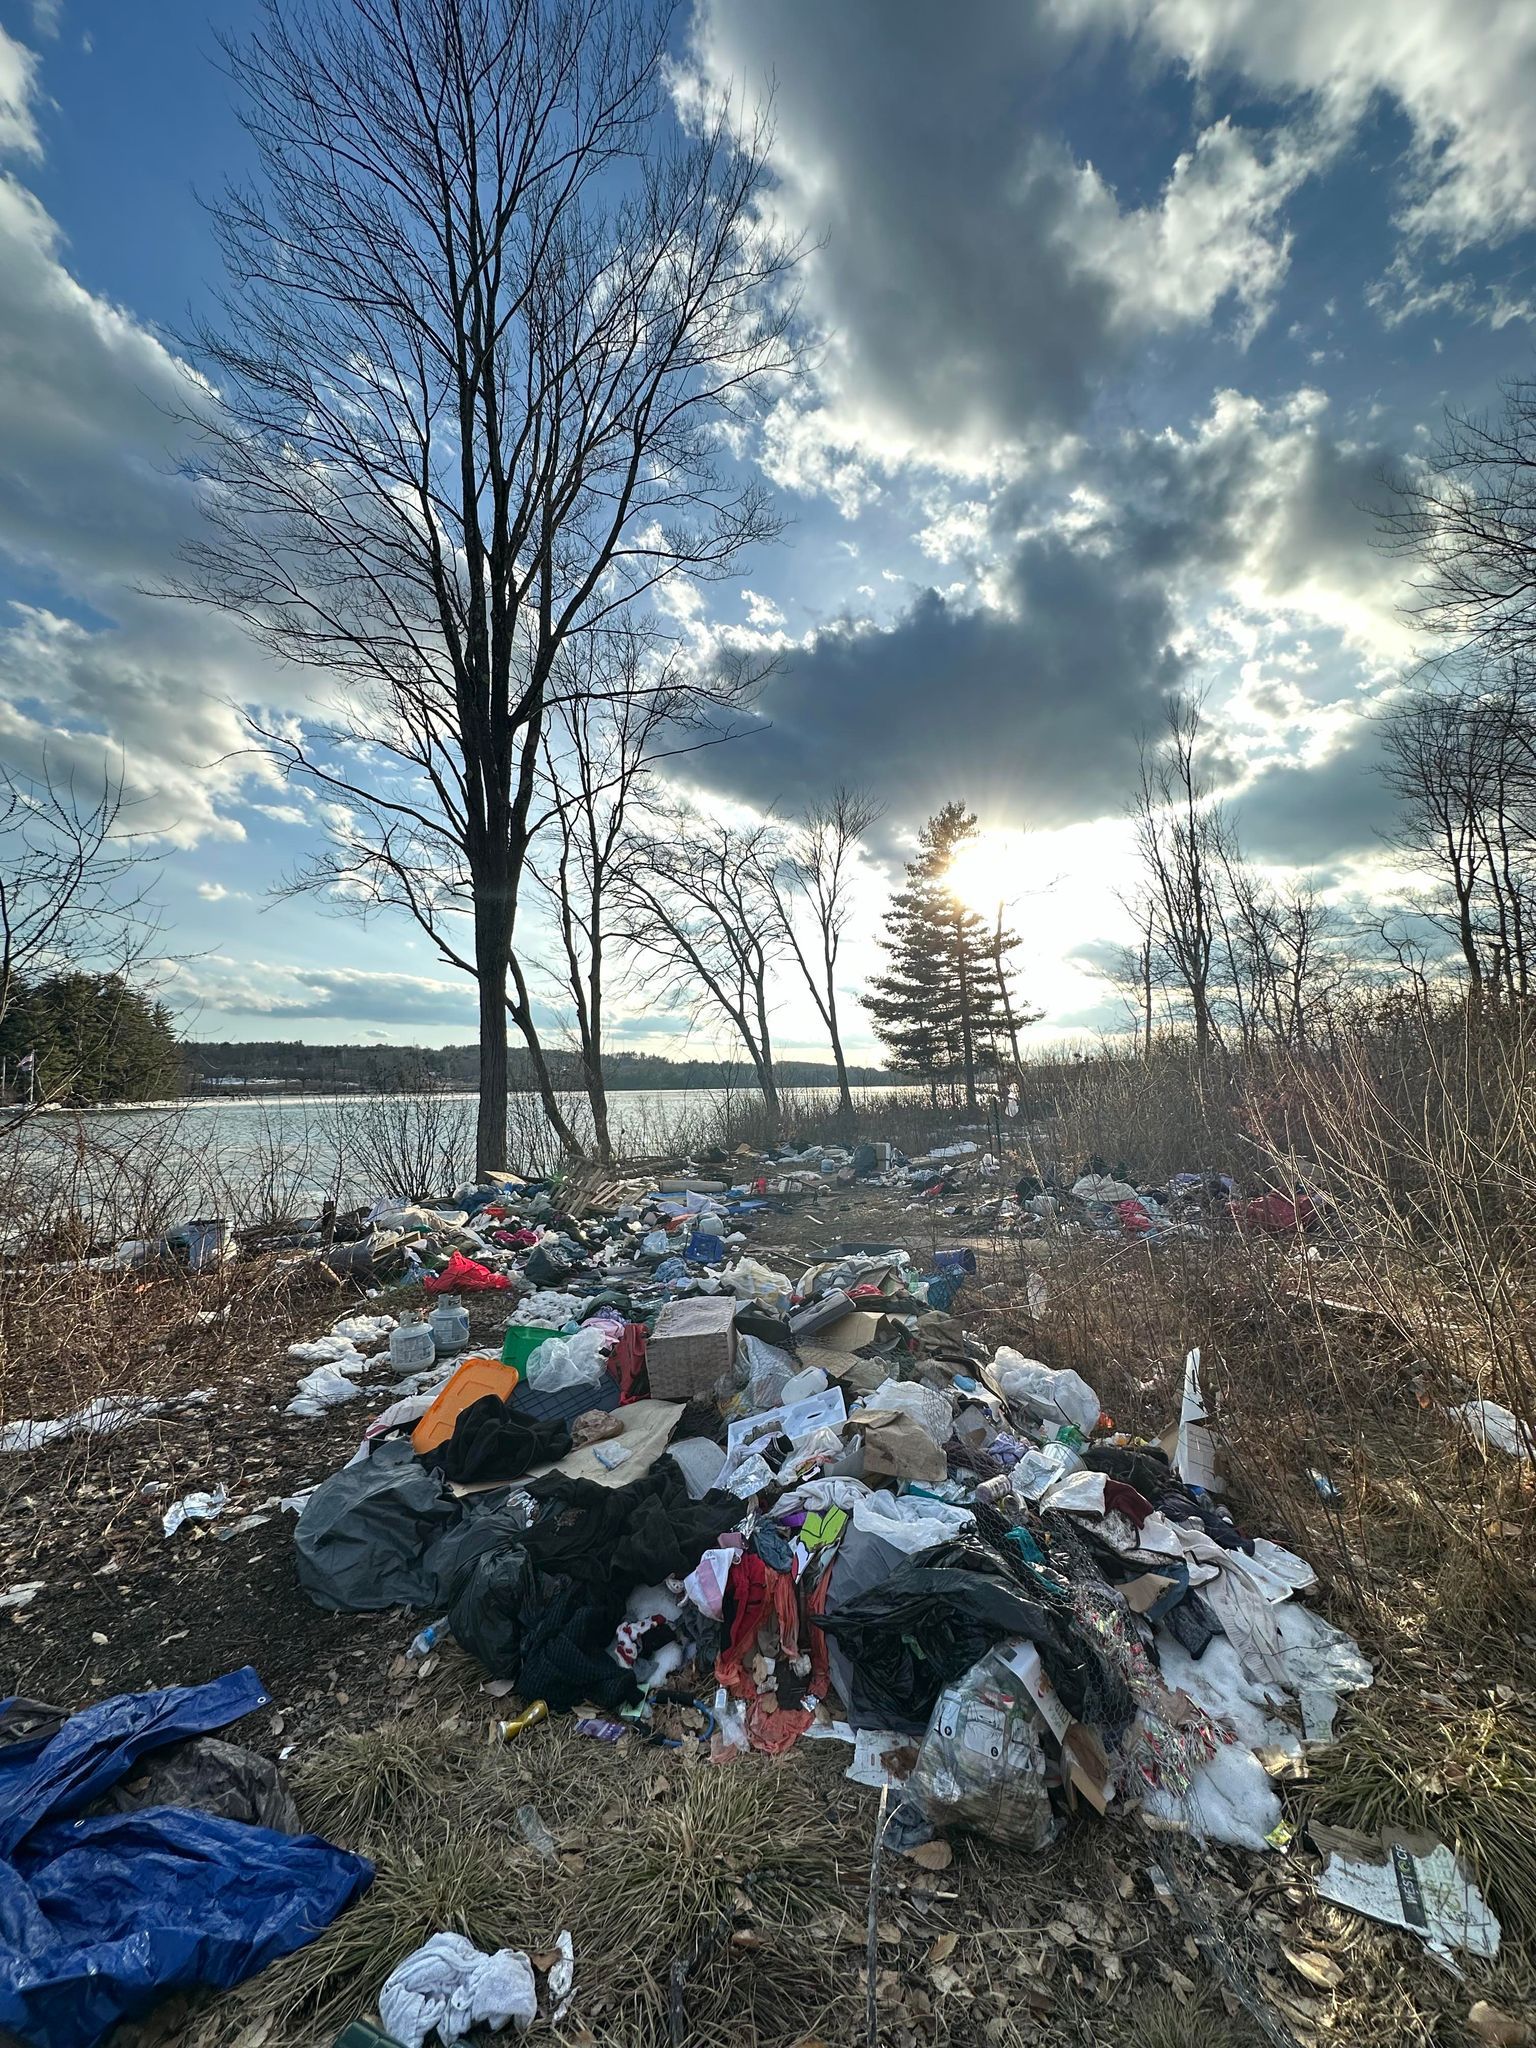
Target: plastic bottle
(411, 1345)
(449, 1324)
(429, 1638)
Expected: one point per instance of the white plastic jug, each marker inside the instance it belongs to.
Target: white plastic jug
(411, 1345)
(449, 1324)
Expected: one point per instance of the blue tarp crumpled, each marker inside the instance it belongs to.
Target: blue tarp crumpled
(101, 1918)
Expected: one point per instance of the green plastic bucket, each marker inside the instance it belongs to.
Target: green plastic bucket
(520, 1343)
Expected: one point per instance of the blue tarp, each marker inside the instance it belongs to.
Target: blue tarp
(101, 1918)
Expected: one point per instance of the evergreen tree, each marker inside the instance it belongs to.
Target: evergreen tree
(96, 1039)
(942, 1006)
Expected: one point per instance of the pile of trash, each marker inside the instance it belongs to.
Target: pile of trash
(695, 1492)
(1104, 1199)
(808, 1505)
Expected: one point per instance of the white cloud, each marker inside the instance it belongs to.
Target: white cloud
(1215, 232)
(762, 612)
(18, 80)
(1463, 71)
(90, 500)
(270, 988)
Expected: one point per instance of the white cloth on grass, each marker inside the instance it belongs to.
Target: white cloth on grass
(449, 1986)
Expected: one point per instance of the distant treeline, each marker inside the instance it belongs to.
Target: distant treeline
(212, 1066)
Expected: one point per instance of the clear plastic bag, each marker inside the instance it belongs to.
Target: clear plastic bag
(574, 1361)
(981, 1766)
(1058, 1396)
(933, 1412)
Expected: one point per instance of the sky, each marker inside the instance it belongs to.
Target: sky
(1120, 311)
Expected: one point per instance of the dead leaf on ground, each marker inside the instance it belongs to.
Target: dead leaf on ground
(931, 1855)
(1317, 1968)
(943, 1948)
(1499, 2029)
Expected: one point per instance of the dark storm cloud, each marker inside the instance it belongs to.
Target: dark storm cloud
(978, 276)
(1333, 811)
(1033, 711)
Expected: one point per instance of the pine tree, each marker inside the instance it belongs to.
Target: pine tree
(95, 1038)
(942, 1006)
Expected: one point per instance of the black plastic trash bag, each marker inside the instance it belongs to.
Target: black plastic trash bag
(486, 1589)
(924, 1627)
(367, 1536)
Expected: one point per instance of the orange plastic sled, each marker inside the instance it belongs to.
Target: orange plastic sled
(475, 1378)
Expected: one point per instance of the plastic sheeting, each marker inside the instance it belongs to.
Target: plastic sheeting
(1063, 1397)
(365, 1539)
(102, 1918)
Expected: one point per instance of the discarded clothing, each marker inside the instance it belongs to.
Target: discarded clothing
(491, 1441)
(540, 1605)
(448, 1986)
(102, 1918)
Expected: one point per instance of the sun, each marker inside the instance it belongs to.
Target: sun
(993, 868)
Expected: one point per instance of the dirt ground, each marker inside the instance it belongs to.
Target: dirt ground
(1117, 1935)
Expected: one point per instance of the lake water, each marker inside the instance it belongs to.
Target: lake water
(132, 1170)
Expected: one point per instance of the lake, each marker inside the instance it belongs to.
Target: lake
(134, 1169)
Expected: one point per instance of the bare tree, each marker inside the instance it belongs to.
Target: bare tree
(811, 882)
(1462, 762)
(695, 902)
(74, 890)
(1179, 835)
(624, 703)
(1468, 516)
(486, 313)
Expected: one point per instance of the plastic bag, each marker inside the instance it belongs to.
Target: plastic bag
(909, 1522)
(325, 1387)
(574, 1361)
(981, 1766)
(1058, 1396)
(1038, 1471)
(934, 1413)
(759, 1376)
(753, 1281)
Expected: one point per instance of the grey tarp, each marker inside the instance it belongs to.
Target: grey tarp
(366, 1538)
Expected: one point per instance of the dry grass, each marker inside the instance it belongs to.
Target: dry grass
(1169, 2020)
(1465, 1774)
(659, 1861)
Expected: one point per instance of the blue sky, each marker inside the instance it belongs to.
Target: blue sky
(1121, 308)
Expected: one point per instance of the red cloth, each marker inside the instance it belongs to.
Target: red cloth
(626, 1362)
(463, 1276)
(1275, 1214)
(746, 1602)
(1133, 1216)
(759, 1601)
(1117, 1494)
